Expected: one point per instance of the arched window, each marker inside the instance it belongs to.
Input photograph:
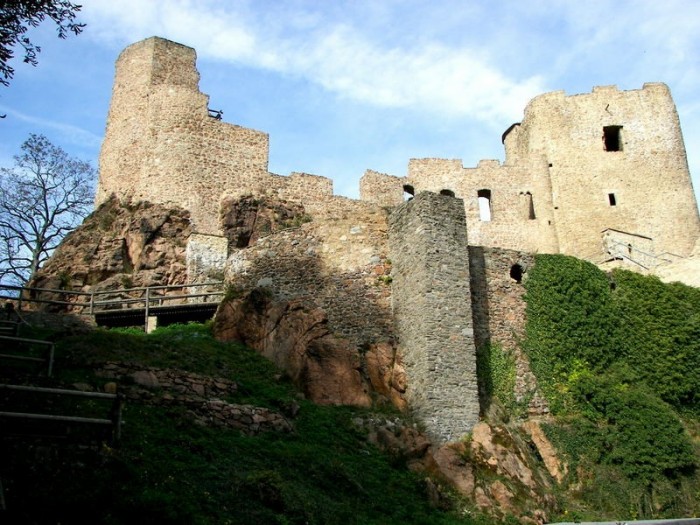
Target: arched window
(408, 192)
(447, 193)
(484, 205)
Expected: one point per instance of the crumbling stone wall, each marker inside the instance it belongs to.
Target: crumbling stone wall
(564, 183)
(338, 260)
(635, 181)
(432, 309)
(161, 144)
(519, 202)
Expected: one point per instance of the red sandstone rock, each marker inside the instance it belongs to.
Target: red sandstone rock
(294, 335)
(555, 467)
(386, 373)
(120, 245)
(449, 462)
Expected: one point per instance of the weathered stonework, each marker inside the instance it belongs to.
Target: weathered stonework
(428, 247)
(577, 167)
(602, 176)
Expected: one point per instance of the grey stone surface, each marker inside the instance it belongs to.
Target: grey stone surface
(432, 311)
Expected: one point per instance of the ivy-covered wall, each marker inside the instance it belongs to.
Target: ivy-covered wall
(618, 358)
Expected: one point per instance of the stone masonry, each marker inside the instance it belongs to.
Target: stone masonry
(428, 247)
(601, 176)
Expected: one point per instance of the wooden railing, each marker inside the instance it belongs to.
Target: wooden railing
(91, 302)
(113, 419)
(20, 344)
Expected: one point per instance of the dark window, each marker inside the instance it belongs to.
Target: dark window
(611, 199)
(408, 192)
(612, 138)
(530, 206)
(516, 273)
(484, 204)
(447, 193)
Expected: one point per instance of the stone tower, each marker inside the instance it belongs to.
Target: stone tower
(162, 145)
(618, 170)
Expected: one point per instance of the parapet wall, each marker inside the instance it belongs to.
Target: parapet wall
(433, 315)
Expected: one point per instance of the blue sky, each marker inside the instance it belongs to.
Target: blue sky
(344, 86)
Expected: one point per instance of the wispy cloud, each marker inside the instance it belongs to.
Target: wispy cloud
(451, 81)
(67, 133)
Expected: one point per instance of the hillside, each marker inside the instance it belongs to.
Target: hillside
(214, 433)
(173, 466)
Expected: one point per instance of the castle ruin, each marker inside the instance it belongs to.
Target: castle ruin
(601, 176)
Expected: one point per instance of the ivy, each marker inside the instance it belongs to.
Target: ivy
(616, 356)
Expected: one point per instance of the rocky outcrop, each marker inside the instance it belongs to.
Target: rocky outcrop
(294, 334)
(246, 219)
(497, 468)
(121, 245)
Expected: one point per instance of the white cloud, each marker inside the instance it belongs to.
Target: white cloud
(451, 81)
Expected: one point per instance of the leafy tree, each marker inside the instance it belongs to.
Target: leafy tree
(17, 16)
(42, 198)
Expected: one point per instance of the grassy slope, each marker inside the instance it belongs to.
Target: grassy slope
(169, 470)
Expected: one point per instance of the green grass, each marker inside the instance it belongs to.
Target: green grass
(168, 470)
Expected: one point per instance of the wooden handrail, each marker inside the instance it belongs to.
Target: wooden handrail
(51, 350)
(93, 303)
(115, 411)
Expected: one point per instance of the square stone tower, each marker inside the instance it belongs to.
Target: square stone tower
(162, 145)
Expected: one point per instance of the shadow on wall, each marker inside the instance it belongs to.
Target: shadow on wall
(356, 303)
(480, 317)
(327, 331)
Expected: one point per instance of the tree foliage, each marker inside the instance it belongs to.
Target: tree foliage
(42, 198)
(17, 16)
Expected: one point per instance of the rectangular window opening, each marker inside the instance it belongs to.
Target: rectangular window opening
(484, 197)
(612, 138)
(611, 199)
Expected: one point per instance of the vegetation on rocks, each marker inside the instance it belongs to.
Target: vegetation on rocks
(618, 358)
(168, 469)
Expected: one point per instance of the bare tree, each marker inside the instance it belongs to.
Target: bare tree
(44, 196)
(17, 16)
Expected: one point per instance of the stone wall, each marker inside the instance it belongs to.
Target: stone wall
(338, 261)
(203, 397)
(206, 258)
(638, 182)
(382, 189)
(431, 292)
(161, 144)
(562, 185)
(498, 307)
